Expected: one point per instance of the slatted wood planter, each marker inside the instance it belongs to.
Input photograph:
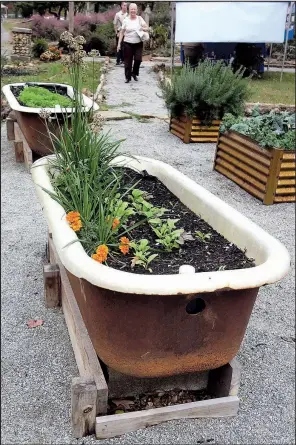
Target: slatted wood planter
(268, 174)
(191, 130)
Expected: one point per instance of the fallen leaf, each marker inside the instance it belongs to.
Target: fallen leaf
(185, 236)
(34, 323)
(119, 411)
(123, 404)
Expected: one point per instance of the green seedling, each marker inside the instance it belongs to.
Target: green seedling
(167, 234)
(142, 253)
(204, 237)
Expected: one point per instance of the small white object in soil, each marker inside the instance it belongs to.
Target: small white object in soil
(186, 269)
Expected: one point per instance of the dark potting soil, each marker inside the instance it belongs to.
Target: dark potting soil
(215, 254)
(155, 400)
(16, 90)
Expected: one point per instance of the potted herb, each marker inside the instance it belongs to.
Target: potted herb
(34, 103)
(165, 274)
(258, 153)
(197, 98)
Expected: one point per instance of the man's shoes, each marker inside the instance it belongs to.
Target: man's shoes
(135, 78)
(127, 80)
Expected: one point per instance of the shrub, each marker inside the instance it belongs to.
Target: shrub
(274, 130)
(207, 92)
(49, 29)
(39, 47)
(42, 98)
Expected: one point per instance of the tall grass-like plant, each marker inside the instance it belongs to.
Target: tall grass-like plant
(85, 174)
(207, 92)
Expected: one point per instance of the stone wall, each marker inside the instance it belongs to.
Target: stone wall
(21, 43)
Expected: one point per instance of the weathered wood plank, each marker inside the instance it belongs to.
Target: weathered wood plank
(118, 424)
(203, 128)
(241, 165)
(83, 406)
(10, 129)
(214, 122)
(19, 151)
(52, 285)
(177, 128)
(204, 139)
(85, 355)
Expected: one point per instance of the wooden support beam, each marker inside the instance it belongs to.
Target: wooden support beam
(83, 406)
(224, 381)
(10, 128)
(19, 151)
(52, 285)
(118, 424)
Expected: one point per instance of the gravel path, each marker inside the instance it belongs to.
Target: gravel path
(142, 97)
(38, 364)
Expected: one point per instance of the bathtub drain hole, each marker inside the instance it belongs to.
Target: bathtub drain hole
(195, 306)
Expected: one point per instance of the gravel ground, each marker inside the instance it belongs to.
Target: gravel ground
(38, 364)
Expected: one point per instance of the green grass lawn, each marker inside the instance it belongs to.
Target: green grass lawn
(270, 90)
(8, 24)
(56, 72)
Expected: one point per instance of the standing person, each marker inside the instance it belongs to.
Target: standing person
(117, 22)
(132, 43)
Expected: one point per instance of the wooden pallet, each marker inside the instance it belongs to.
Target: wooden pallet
(23, 152)
(267, 174)
(90, 390)
(191, 130)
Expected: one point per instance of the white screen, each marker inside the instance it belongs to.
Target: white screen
(231, 22)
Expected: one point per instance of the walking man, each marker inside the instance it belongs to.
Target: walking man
(117, 22)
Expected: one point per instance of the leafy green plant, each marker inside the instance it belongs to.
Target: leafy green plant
(39, 47)
(43, 98)
(204, 237)
(207, 92)
(275, 130)
(167, 234)
(144, 207)
(142, 254)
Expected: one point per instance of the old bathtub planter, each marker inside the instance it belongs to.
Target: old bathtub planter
(192, 130)
(267, 174)
(32, 125)
(161, 325)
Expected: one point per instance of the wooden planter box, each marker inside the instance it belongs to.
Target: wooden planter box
(191, 130)
(268, 174)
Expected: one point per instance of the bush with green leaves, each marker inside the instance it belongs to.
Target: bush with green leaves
(39, 97)
(39, 47)
(207, 92)
(272, 130)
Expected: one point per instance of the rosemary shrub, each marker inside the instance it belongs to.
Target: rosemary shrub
(206, 92)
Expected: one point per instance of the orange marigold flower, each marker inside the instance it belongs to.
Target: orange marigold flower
(124, 240)
(124, 248)
(76, 226)
(101, 253)
(72, 217)
(115, 223)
